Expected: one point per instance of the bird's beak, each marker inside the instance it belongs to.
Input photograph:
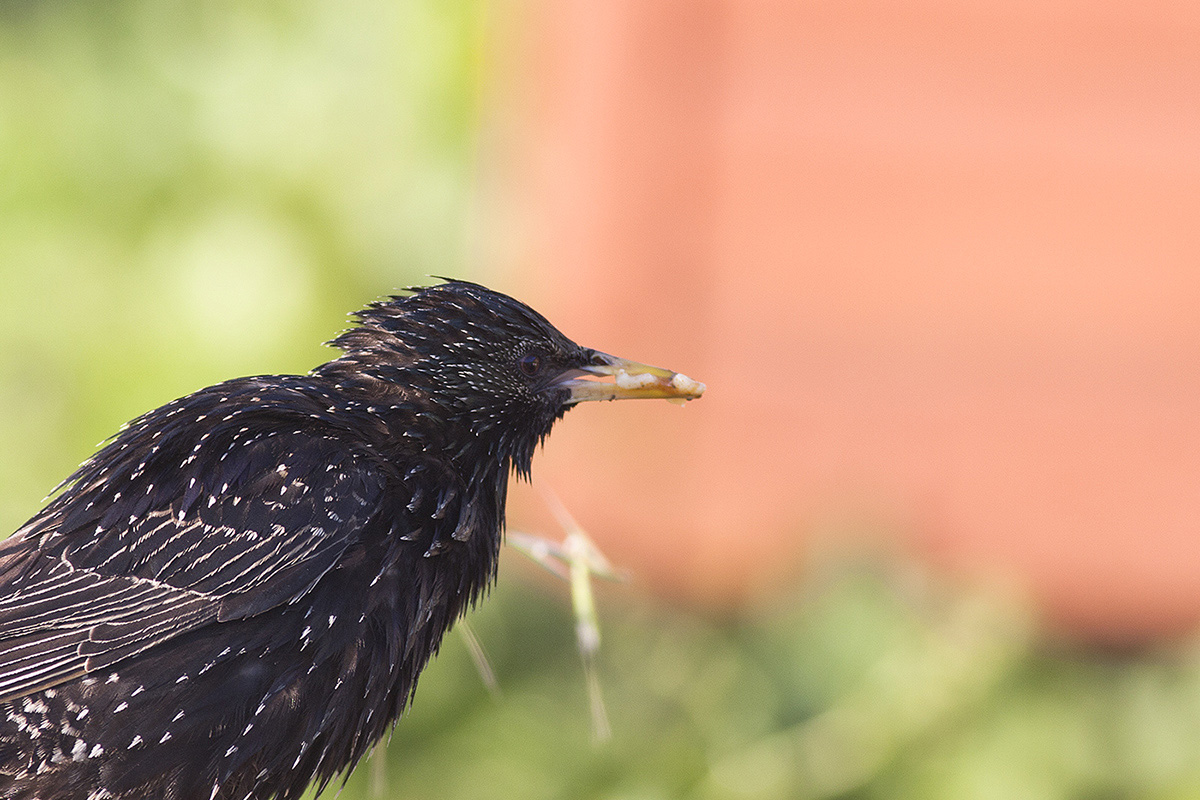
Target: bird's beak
(632, 381)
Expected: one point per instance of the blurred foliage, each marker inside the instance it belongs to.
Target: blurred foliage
(190, 192)
(875, 683)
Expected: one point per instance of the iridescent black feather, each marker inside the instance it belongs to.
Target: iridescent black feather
(234, 597)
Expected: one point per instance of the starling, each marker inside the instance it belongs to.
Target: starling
(234, 597)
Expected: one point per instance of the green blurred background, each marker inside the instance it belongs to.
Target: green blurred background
(192, 192)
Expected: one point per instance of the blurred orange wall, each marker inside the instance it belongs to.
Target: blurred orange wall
(938, 262)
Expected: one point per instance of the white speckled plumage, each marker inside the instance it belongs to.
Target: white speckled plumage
(235, 596)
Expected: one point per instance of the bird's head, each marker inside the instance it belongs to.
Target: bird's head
(492, 366)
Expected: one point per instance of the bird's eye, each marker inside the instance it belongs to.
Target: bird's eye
(531, 364)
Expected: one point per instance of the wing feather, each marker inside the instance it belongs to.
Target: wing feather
(135, 554)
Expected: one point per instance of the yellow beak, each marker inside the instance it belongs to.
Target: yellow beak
(632, 381)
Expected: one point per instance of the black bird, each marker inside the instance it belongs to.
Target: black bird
(235, 596)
